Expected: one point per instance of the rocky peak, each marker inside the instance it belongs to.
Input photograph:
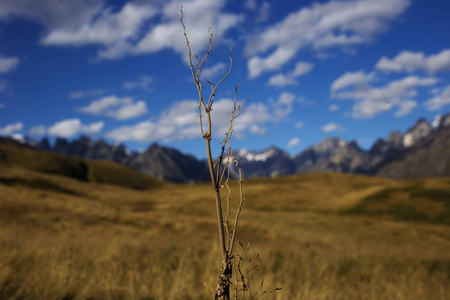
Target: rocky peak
(395, 138)
(382, 147)
(444, 121)
(263, 155)
(420, 130)
(329, 145)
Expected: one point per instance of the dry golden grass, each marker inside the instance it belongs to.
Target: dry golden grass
(109, 242)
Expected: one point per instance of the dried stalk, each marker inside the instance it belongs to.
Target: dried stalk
(217, 175)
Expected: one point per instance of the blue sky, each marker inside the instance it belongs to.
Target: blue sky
(118, 69)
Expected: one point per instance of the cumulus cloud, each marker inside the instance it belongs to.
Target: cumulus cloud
(264, 12)
(408, 61)
(321, 26)
(37, 131)
(293, 142)
(351, 79)
(333, 108)
(180, 121)
(440, 100)
(258, 65)
(64, 14)
(370, 101)
(299, 125)
(12, 128)
(281, 80)
(301, 68)
(167, 35)
(115, 107)
(104, 28)
(214, 71)
(70, 127)
(283, 105)
(257, 130)
(137, 27)
(8, 64)
(250, 4)
(331, 127)
(143, 82)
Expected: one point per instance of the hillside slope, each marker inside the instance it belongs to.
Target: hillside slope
(14, 154)
(334, 236)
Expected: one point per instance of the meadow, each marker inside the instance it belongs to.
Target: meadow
(319, 236)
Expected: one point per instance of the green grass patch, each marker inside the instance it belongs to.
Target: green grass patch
(404, 212)
(407, 213)
(442, 195)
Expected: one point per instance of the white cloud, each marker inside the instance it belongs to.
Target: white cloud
(142, 82)
(87, 93)
(137, 27)
(281, 80)
(301, 68)
(115, 107)
(330, 127)
(399, 94)
(70, 127)
(283, 105)
(351, 79)
(8, 64)
(104, 28)
(37, 131)
(408, 61)
(320, 26)
(275, 61)
(11, 128)
(167, 35)
(180, 122)
(293, 142)
(440, 100)
(67, 14)
(299, 125)
(214, 71)
(2, 105)
(264, 12)
(92, 128)
(250, 4)
(129, 111)
(257, 130)
(286, 98)
(333, 108)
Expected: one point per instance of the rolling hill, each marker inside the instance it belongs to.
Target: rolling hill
(15, 154)
(317, 236)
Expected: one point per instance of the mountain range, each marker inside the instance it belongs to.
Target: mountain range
(422, 151)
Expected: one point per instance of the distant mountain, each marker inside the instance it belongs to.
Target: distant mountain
(310, 157)
(86, 148)
(421, 151)
(427, 157)
(170, 164)
(271, 162)
(382, 149)
(160, 162)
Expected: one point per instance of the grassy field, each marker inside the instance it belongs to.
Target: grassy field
(325, 236)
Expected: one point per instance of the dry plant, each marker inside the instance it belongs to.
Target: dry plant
(220, 169)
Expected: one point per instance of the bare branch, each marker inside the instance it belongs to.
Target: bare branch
(213, 93)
